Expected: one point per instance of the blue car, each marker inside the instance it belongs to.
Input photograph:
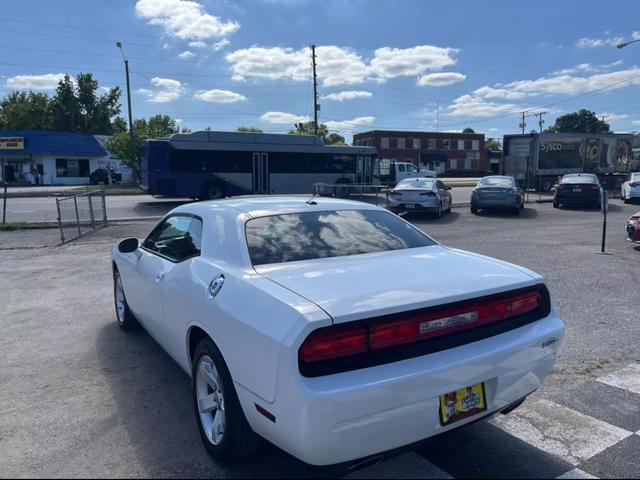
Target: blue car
(497, 192)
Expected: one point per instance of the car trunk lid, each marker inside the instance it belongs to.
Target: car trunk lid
(375, 284)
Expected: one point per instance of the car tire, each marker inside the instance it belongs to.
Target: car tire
(474, 209)
(626, 200)
(449, 207)
(516, 210)
(439, 211)
(126, 320)
(234, 440)
(556, 204)
(213, 191)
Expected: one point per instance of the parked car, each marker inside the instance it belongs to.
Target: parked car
(633, 228)
(497, 191)
(631, 188)
(419, 195)
(578, 189)
(334, 329)
(100, 176)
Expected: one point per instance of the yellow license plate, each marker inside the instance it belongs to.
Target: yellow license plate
(462, 403)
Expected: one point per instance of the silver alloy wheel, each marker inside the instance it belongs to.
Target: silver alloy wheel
(120, 301)
(210, 400)
(214, 192)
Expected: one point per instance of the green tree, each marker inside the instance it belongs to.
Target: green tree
(248, 130)
(306, 128)
(76, 106)
(583, 121)
(25, 111)
(468, 130)
(119, 144)
(492, 144)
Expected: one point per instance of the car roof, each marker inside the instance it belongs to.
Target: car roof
(263, 205)
(579, 175)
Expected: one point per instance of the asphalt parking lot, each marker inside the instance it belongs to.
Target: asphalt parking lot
(81, 398)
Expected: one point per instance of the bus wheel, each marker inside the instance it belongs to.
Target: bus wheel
(213, 191)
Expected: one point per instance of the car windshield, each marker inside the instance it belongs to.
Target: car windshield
(504, 182)
(422, 183)
(580, 179)
(311, 235)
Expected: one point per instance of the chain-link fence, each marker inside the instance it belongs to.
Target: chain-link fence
(375, 194)
(81, 214)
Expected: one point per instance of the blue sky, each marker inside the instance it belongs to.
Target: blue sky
(381, 64)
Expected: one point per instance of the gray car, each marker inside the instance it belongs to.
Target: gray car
(422, 194)
(499, 192)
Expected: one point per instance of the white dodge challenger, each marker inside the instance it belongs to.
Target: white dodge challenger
(334, 329)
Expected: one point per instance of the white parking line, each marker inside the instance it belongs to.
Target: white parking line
(576, 473)
(561, 431)
(405, 465)
(627, 378)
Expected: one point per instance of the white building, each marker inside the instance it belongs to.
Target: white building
(55, 158)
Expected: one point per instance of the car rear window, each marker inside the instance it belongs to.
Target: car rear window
(580, 179)
(496, 182)
(416, 183)
(292, 237)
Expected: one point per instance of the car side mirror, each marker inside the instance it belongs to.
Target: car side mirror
(128, 245)
(447, 187)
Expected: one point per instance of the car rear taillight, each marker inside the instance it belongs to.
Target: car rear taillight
(595, 187)
(411, 327)
(327, 344)
(428, 194)
(394, 193)
(634, 184)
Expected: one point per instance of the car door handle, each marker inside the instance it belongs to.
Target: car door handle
(160, 276)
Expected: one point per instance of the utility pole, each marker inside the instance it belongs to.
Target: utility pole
(437, 115)
(4, 197)
(316, 106)
(132, 147)
(540, 121)
(522, 125)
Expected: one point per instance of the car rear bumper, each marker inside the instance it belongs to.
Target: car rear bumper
(351, 415)
(577, 200)
(417, 206)
(509, 202)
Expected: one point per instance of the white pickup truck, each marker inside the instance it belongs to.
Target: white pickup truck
(400, 170)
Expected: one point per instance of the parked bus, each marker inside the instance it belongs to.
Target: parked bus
(209, 165)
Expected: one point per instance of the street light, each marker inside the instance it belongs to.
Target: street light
(131, 141)
(624, 44)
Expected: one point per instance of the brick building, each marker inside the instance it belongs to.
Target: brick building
(440, 151)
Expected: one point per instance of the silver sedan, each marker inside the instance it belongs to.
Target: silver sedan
(499, 192)
(422, 194)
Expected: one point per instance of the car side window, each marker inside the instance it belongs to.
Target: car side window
(177, 238)
(401, 168)
(412, 169)
(439, 185)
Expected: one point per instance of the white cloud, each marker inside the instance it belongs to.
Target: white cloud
(184, 19)
(219, 96)
(635, 35)
(491, 92)
(197, 44)
(441, 79)
(635, 122)
(588, 42)
(47, 81)
(220, 45)
(473, 106)
(397, 62)
(612, 117)
(350, 124)
(572, 85)
(347, 95)
(337, 65)
(283, 117)
(165, 90)
(186, 54)
(587, 67)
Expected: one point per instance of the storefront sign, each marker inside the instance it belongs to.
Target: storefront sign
(11, 143)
